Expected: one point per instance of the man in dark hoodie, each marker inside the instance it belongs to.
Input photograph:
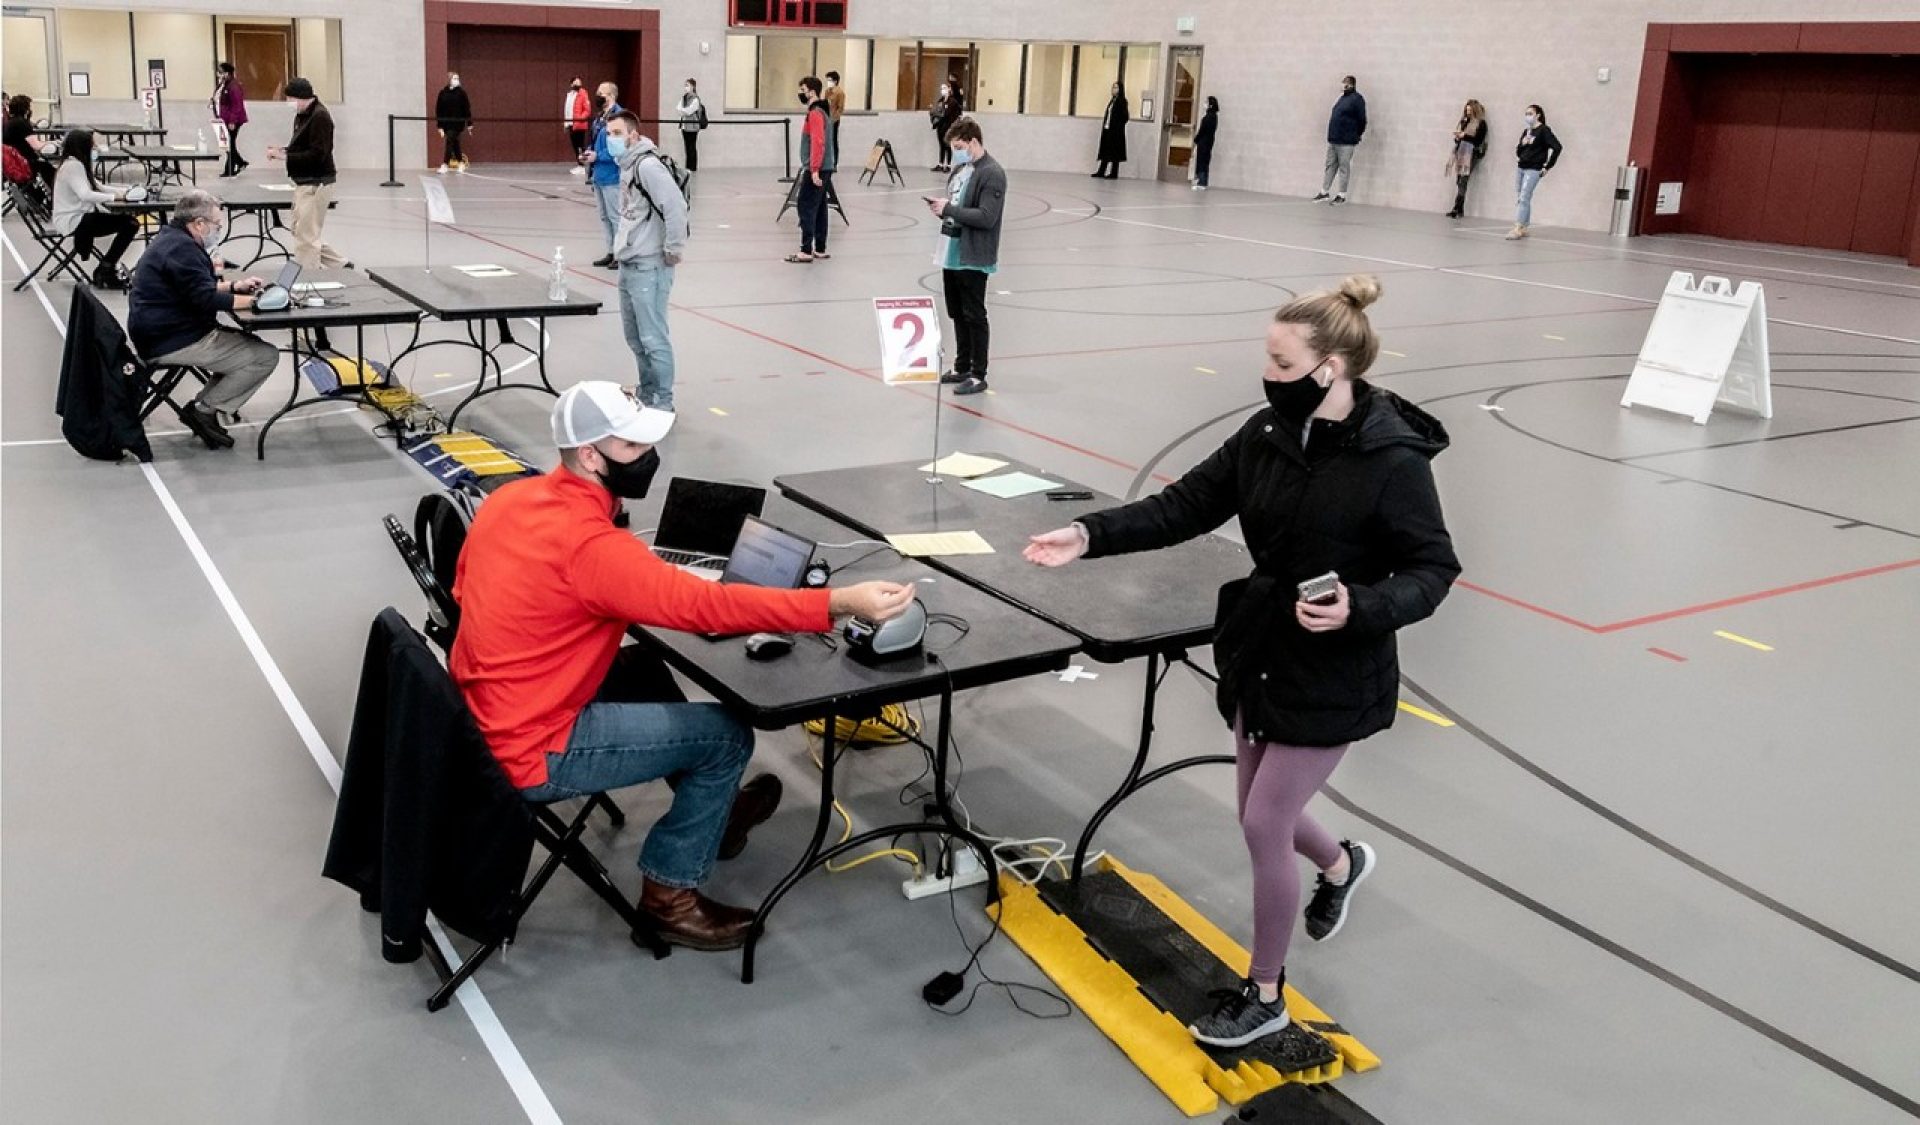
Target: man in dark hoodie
(309, 157)
(1345, 127)
(1335, 494)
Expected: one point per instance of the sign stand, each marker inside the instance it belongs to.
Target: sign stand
(439, 210)
(881, 156)
(1707, 346)
(793, 198)
(911, 352)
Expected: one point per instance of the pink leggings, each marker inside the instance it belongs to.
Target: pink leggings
(1276, 782)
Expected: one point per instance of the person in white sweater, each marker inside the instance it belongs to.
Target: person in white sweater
(78, 211)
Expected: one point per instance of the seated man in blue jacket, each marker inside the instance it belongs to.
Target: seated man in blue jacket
(176, 296)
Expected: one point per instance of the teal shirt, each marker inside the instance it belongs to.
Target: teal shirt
(950, 258)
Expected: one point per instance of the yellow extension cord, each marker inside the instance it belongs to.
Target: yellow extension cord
(847, 819)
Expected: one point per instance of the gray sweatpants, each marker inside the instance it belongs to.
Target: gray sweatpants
(1339, 161)
(239, 361)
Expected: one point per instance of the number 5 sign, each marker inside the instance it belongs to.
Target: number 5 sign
(909, 339)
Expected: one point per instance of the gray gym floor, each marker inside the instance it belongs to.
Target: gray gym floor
(1653, 873)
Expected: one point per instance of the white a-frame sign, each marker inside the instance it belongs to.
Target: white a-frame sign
(1707, 345)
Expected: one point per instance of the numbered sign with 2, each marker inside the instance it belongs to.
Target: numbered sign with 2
(909, 339)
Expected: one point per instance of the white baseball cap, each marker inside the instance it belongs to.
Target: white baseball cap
(596, 409)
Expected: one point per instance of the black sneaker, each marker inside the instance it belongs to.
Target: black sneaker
(206, 426)
(1327, 912)
(1320, 197)
(1337, 200)
(604, 261)
(952, 377)
(971, 385)
(1240, 1017)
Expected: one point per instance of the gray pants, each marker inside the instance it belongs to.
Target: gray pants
(1339, 162)
(239, 361)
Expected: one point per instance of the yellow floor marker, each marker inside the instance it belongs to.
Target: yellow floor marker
(1394, 354)
(1551, 336)
(1152, 1038)
(1206, 371)
(1423, 713)
(716, 410)
(1740, 640)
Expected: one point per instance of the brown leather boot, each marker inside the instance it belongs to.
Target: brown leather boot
(751, 807)
(684, 916)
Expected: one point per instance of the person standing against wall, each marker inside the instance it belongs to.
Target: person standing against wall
(230, 108)
(970, 250)
(1469, 145)
(576, 115)
(1537, 153)
(836, 104)
(606, 172)
(1113, 135)
(693, 118)
(454, 114)
(309, 157)
(945, 111)
(817, 162)
(1345, 126)
(1203, 144)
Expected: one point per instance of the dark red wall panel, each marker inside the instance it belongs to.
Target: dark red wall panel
(1887, 181)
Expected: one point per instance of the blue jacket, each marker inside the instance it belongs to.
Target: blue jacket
(606, 173)
(1349, 120)
(175, 295)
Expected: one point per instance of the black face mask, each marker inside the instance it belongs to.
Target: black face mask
(1296, 401)
(803, 99)
(629, 480)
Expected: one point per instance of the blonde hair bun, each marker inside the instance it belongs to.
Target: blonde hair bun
(1360, 290)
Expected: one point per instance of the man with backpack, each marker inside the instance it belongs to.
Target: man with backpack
(652, 235)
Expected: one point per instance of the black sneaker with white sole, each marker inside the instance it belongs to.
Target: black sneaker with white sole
(1240, 1017)
(1327, 911)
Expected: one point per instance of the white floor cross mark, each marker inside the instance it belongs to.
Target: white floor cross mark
(1077, 672)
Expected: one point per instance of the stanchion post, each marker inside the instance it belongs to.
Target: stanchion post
(786, 147)
(393, 179)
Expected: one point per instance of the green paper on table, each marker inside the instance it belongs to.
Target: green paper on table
(1009, 485)
(963, 465)
(925, 544)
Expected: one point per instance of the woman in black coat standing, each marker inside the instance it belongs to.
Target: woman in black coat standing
(1334, 492)
(946, 110)
(1469, 146)
(1113, 136)
(1203, 144)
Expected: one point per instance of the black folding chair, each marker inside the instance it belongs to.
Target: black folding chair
(443, 614)
(61, 252)
(163, 380)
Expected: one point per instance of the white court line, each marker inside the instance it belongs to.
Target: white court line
(1705, 261)
(513, 1066)
(1483, 276)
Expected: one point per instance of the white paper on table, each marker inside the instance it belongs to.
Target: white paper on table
(964, 465)
(276, 187)
(1009, 485)
(486, 269)
(316, 286)
(924, 544)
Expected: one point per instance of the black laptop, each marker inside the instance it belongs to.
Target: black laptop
(702, 519)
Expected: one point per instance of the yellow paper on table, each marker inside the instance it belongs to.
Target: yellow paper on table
(941, 543)
(963, 465)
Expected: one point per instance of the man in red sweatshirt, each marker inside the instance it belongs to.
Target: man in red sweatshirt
(547, 587)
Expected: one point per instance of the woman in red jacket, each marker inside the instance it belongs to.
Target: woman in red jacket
(575, 114)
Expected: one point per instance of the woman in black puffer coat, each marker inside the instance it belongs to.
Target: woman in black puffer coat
(1333, 477)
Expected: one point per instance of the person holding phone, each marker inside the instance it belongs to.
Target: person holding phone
(1333, 487)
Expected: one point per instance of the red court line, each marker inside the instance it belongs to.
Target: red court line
(1528, 606)
(1743, 599)
(1673, 656)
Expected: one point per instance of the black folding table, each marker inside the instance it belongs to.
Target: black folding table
(1000, 642)
(447, 293)
(1156, 604)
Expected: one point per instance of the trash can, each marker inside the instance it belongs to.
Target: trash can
(1626, 202)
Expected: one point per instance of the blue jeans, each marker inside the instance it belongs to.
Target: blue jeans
(608, 197)
(645, 285)
(1524, 181)
(614, 745)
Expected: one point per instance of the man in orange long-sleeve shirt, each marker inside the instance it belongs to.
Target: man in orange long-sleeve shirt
(547, 586)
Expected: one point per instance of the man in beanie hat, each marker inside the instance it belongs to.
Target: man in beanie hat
(309, 157)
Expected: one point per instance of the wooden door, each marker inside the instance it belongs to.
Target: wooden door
(262, 58)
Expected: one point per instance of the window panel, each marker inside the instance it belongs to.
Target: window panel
(743, 57)
(1142, 77)
(896, 74)
(1049, 78)
(1099, 70)
(996, 85)
(784, 61)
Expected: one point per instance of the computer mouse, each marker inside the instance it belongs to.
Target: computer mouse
(768, 646)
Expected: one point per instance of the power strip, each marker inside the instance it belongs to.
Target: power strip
(967, 872)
